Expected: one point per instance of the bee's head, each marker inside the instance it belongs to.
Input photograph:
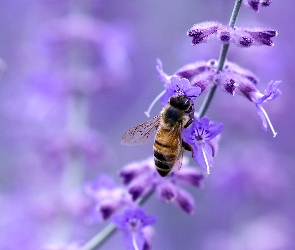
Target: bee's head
(181, 102)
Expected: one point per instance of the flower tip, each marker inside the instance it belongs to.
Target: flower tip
(147, 113)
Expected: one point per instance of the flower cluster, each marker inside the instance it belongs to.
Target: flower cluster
(232, 79)
(193, 79)
(142, 178)
(115, 203)
(242, 37)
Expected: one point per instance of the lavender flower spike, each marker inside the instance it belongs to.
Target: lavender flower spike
(199, 135)
(201, 32)
(132, 222)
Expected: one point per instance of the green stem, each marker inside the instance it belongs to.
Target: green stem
(223, 53)
(109, 229)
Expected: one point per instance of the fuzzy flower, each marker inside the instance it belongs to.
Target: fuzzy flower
(245, 37)
(256, 4)
(174, 85)
(240, 36)
(233, 76)
(132, 222)
(200, 74)
(142, 177)
(192, 69)
(108, 197)
(201, 32)
(199, 136)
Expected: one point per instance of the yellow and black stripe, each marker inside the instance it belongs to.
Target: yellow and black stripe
(165, 155)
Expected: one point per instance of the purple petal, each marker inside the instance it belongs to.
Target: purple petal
(185, 201)
(204, 80)
(199, 157)
(190, 176)
(190, 70)
(202, 31)
(167, 191)
(262, 36)
(215, 128)
(162, 76)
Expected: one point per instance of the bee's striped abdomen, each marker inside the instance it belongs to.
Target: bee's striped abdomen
(166, 152)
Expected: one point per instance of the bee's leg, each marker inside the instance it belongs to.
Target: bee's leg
(189, 122)
(191, 117)
(187, 147)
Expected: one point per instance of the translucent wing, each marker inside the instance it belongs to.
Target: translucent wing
(142, 132)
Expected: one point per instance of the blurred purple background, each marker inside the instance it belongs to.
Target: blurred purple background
(76, 75)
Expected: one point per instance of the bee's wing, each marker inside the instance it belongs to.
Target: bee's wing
(142, 132)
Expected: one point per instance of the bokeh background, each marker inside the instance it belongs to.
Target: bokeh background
(75, 75)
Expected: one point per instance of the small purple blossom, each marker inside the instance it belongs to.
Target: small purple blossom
(192, 69)
(272, 92)
(245, 37)
(233, 78)
(108, 197)
(256, 4)
(201, 32)
(180, 86)
(174, 85)
(145, 179)
(199, 135)
(132, 222)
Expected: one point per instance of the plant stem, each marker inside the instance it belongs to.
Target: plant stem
(206, 103)
(109, 229)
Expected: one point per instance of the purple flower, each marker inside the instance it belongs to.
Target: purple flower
(174, 85)
(224, 34)
(204, 81)
(180, 86)
(240, 36)
(108, 197)
(233, 77)
(245, 37)
(258, 98)
(199, 135)
(192, 69)
(132, 222)
(145, 178)
(201, 32)
(256, 4)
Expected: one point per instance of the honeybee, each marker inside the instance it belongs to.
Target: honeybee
(167, 126)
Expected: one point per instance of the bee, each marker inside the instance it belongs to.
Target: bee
(166, 129)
